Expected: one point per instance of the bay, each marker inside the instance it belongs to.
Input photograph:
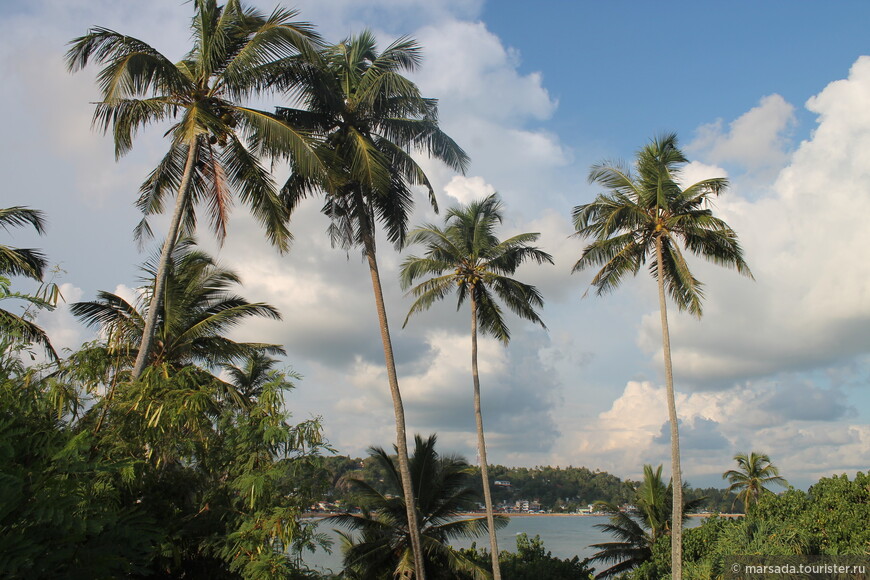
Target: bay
(564, 536)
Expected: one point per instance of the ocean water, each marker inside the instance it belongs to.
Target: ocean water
(564, 536)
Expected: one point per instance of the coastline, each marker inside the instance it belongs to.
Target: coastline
(320, 515)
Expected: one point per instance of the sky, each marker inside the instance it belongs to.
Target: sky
(773, 95)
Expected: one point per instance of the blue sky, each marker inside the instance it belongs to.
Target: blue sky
(773, 95)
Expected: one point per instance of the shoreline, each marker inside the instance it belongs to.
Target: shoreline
(320, 515)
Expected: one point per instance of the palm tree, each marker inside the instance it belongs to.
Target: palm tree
(636, 533)
(753, 474)
(256, 373)
(369, 119)
(22, 261)
(215, 141)
(467, 256)
(381, 551)
(648, 215)
(29, 263)
(197, 312)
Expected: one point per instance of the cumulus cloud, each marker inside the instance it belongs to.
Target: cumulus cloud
(766, 416)
(518, 392)
(758, 140)
(468, 189)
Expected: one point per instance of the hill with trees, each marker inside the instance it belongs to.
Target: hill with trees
(554, 489)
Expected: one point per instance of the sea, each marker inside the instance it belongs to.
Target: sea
(564, 536)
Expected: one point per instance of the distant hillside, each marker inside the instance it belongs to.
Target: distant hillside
(556, 489)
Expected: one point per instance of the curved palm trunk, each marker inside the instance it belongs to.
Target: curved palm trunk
(181, 199)
(677, 507)
(398, 409)
(481, 445)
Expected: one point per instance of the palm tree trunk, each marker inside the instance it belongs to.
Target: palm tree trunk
(181, 199)
(481, 445)
(676, 472)
(398, 409)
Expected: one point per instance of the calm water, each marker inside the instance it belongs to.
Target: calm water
(564, 536)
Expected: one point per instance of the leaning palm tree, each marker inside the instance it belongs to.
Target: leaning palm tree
(647, 215)
(466, 256)
(29, 263)
(637, 532)
(179, 396)
(198, 310)
(215, 141)
(369, 119)
(381, 550)
(753, 474)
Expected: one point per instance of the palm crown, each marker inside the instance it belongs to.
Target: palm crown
(198, 310)
(753, 474)
(370, 118)
(233, 55)
(30, 263)
(636, 533)
(467, 256)
(647, 206)
(442, 486)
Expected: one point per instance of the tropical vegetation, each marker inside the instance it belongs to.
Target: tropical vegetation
(379, 547)
(29, 263)
(753, 474)
(638, 531)
(164, 448)
(179, 474)
(215, 139)
(532, 561)
(467, 256)
(646, 215)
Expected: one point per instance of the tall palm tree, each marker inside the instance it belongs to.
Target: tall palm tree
(381, 551)
(753, 474)
(29, 263)
(369, 119)
(467, 256)
(215, 141)
(647, 216)
(637, 532)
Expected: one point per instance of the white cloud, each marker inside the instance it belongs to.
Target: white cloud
(468, 189)
(757, 140)
(716, 425)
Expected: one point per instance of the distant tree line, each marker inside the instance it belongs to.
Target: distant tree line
(557, 489)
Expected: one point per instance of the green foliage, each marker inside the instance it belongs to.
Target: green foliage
(646, 209)
(753, 475)
(179, 474)
(233, 53)
(827, 512)
(380, 547)
(466, 256)
(19, 329)
(368, 119)
(637, 534)
(817, 522)
(532, 561)
(62, 509)
(558, 489)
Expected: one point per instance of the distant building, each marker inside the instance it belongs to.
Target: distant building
(502, 483)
